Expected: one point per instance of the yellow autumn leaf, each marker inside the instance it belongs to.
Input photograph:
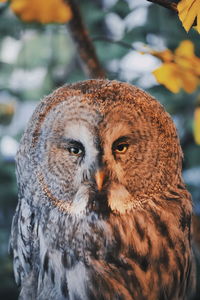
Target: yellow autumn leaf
(197, 125)
(165, 55)
(42, 11)
(169, 75)
(189, 81)
(188, 12)
(186, 58)
(186, 48)
(182, 71)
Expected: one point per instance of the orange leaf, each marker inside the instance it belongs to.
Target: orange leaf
(197, 125)
(166, 55)
(183, 71)
(189, 81)
(185, 57)
(42, 11)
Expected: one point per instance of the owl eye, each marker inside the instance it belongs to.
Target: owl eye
(75, 151)
(121, 148)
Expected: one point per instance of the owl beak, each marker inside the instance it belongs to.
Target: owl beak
(99, 178)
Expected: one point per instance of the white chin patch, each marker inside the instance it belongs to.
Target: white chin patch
(119, 199)
(79, 204)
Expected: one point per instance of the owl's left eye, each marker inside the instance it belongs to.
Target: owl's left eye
(121, 148)
(121, 145)
(75, 151)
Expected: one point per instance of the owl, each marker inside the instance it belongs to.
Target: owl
(103, 212)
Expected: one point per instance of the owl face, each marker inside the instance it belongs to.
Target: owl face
(115, 150)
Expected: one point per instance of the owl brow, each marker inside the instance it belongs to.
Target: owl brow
(64, 142)
(122, 139)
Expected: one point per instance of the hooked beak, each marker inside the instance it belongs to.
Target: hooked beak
(99, 178)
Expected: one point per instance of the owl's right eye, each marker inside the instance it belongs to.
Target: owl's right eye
(75, 151)
(75, 148)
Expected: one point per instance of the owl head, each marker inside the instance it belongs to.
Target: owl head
(99, 145)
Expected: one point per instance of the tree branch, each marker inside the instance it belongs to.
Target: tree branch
(85, 48)
(166, 4)
(112, 41)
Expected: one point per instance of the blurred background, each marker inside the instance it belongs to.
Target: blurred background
(35, 59)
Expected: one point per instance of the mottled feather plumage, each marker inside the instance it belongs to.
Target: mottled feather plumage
(132, 239)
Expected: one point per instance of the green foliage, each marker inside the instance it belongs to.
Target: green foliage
(121, 8)
(8, 199)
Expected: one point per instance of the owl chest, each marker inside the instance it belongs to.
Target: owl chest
(112, 258)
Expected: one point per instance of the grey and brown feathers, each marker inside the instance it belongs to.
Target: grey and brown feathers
(126, 238)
